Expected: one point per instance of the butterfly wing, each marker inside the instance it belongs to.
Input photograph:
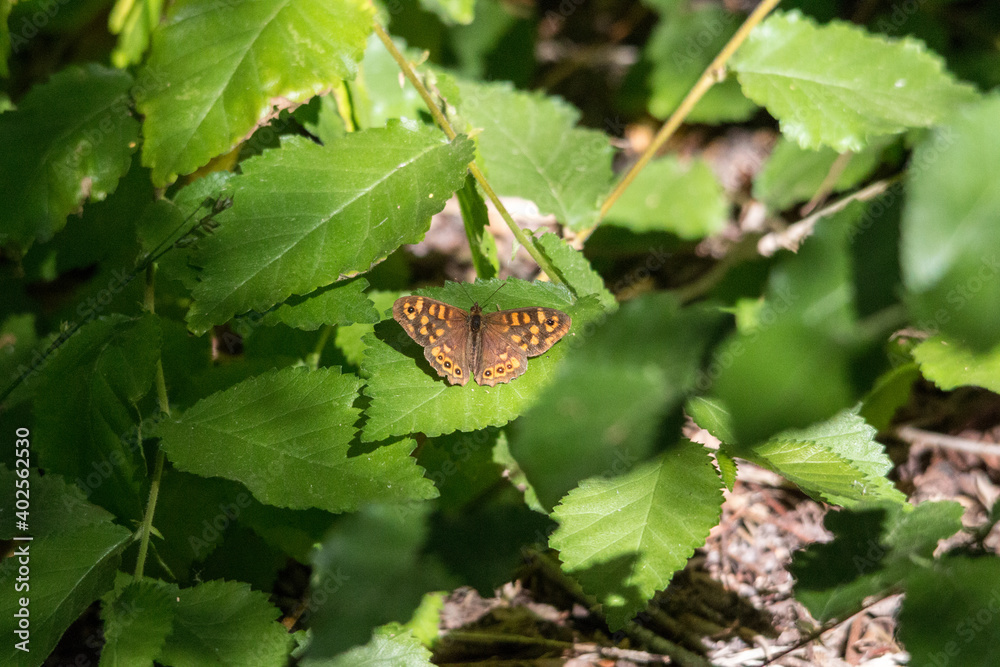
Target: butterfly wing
(442, 330)
(511, 336)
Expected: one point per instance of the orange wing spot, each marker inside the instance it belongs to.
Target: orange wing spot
(516, 338)
(504, 356)
(534, 329)
(436, 351)
(419, 305)
(439, 332)
(424, 319)
(548, 341)
(423, 330)
(534, 340)
(550, 329)
(432, 308)
(513, 319)
(447, 348)
(541, 315)
(432, 338)
(515, 362)
(524, 346)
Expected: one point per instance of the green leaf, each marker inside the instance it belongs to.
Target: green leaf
(950, 239)
(70, 139)
(461, 466)
(680, 48)
(377, 96)
(137, 621)
(370, 571)
(873, 550)
(838, 460)
(72, 563)
(794, 174)
(340, 303)
(305, 215)
(623, 538)
(217, 71)
(228, 621)
(668, 196)
(350, 338)
(408, 396)
(949, 365)
(727, 468)
(321, 118)
(605, 409)
(529, 147)
(839, 86)
(292, 424)
(949, 613)
(86, 409)
(477, 221)
(711, 414)
(451, 11)
(383, 650)
(891, 392)
(575, 271)
(5, 7)
(134, 22)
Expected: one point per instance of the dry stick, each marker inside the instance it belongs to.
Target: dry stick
(442, 122)
(829, 182)
(919, 436)
(714, 73)
(794, 234)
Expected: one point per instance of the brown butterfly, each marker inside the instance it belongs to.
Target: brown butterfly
(490, 347)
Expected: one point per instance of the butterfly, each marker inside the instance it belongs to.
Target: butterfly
(490, 347)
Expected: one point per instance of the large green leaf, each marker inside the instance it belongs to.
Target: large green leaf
(685, 200)
(69, 140)
(370, 570)
(218, 70)
(305, 215)
(384, 650)
(605, 409)
(86, 409)
(340, 303)
(873, 550)
(408, 396)
(839, 86)
(137, 620)
(949, 613)
(624, 537)
(71, 563)
(529, 147)
(228, 621)
(286, 435)
(950, 252)
(949, 365)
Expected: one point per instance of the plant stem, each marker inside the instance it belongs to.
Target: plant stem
(714, 73)
(149, 303)
(312, 361)
(449, 131)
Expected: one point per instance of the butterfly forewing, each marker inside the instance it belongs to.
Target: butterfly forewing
(491, 347)
(442, 330)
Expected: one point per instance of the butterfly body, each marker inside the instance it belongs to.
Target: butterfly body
(491, 348)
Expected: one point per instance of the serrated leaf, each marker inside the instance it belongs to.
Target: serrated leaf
(680, 48)
(383, 650)
(228, 621)
(529, 147)
(72, 564)
(305, 216)
(794, 174)
(838, 460)
(86, 409)
(949, 365)
(370, 570)
(949, 611)
(409, 397)
(341, 303)
(949, 253)
(292, 424)
(711, 414)
(137, 621)
(350, 339)
(873, 550)
(575, 271)
(686, 200)
(218, 70)
(134, 22)
(837, 85)
(70, 139)
(477, 222)
(604, 411)
(727, 468)
(623, 538)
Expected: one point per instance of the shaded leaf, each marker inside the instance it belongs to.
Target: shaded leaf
(383, 650)
(137, 621)
(217, 70)
(340, 303)
(477, 222)
(949, 365)
(575, 271)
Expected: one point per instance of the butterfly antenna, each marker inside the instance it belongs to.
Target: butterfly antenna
(494, 292)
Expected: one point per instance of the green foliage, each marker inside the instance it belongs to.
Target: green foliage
(201, 245)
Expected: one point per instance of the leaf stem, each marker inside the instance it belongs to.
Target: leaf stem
(449, 131)
(149, 303)
(714, 73)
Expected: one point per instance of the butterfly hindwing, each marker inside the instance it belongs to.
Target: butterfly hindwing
(442, 330)
(533, 330)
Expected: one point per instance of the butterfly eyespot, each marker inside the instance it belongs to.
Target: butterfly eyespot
(411, 310)
(550, 322)
(458, 371)
(487, 373)
(447, 364)
(440, 357)
(509, 367)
